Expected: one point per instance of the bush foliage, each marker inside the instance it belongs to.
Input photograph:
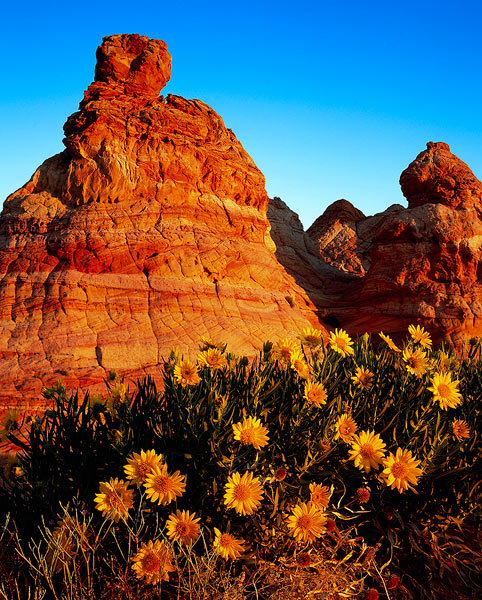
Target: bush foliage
(372, 535)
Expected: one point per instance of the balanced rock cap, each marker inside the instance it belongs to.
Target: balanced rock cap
(437, 176)
(142, 65)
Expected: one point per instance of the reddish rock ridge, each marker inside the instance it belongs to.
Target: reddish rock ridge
(148, 231)
(424, 263)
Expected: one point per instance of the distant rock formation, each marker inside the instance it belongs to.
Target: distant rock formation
(344, 236)
(423, 263)
(153, 228)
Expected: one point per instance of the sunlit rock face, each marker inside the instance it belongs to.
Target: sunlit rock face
(147, 232)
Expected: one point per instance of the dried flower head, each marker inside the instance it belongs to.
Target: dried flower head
(280, 474)
(363, 495)
(330, 525)
(303, 559)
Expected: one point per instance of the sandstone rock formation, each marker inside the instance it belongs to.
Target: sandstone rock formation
(344, 236)
(437, 176)
(425, 262)
(148, 231)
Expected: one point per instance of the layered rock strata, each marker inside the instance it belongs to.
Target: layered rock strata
(148, 231)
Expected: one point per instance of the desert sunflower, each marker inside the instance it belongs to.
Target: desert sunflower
(341, 342)
(445, 390)
(315, 393)
(389, 342)
(185, 373)
(114, 499)
(417, 361)
(212, 358)
(140, 465)
(363, 378)
(227, 545)
(162, 487)
(420, 336)
(243, 493)
(153, 562)
(460, 429)
(311, 337)
(367, 450)
(401, 470)
(284, 349)
(320, 495)
(251, 432)
(299, 364)
(306, 522)
(345, 428)
(183, 527)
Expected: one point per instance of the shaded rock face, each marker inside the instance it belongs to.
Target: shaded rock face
(344, 236)
(148, 231)
(335, 234)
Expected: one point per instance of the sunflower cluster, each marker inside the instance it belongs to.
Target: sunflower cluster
(280, 449)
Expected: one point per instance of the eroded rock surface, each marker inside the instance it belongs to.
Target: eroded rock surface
(437, 176)
(425, 261)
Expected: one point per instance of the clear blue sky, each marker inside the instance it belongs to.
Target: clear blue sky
(332, 100)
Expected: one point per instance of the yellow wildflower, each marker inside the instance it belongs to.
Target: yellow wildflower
(341, 342)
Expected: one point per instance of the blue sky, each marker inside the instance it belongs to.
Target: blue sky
(331, 101)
